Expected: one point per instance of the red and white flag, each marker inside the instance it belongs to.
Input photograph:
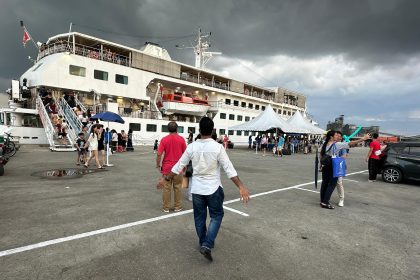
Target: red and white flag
(26, 37)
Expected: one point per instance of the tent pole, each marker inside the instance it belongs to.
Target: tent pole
(256, 145)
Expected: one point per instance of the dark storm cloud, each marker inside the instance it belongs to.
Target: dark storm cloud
(380, 31)
(368, 33)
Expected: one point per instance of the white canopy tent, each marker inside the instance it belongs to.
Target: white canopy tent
(266, 120)
(303, 125)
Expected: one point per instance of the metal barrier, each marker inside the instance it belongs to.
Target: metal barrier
(75, 125)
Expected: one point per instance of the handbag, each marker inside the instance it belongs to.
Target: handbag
(326, 159)
(339, 167)
(189, 170)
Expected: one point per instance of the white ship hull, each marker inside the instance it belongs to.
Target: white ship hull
(129, 82)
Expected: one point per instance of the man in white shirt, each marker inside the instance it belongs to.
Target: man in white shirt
(207, 157)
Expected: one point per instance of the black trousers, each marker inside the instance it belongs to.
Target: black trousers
(373, 165)
(328, 184)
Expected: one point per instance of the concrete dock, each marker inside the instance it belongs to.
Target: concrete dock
(109, 225)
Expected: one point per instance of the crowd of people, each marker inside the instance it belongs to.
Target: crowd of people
(283, 144)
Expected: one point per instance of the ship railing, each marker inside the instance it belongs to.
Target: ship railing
(73, 121)
(204, 81)
(85, 51)
(46, 122)
(123, 112)
(80, 104)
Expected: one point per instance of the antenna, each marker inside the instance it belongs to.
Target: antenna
(202, 44)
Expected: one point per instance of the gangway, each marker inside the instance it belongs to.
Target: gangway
(56, 144)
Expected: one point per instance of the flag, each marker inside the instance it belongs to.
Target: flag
(26, 37)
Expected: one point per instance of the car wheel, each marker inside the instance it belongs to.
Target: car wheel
(392, 175)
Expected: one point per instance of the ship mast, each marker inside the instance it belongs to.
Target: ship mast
(202, 56)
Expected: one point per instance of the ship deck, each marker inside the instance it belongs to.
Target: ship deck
(109, 225)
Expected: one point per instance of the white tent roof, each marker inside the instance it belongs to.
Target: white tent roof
(303, 125)
(267, 120)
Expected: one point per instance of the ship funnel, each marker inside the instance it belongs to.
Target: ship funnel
(155, 50)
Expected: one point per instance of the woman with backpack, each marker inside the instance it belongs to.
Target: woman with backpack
(331, 148)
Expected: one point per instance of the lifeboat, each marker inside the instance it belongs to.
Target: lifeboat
(177, 103)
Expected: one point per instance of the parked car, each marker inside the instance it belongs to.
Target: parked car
(401, 161)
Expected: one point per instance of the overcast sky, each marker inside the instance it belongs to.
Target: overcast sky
(359, 58)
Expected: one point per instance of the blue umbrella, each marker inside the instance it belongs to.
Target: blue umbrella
(108, 117)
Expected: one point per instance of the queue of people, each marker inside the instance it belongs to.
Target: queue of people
(283, 144)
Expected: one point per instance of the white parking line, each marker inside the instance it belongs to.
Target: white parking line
(307, 190)
(350, 180)
(141, 222)
(236, 211)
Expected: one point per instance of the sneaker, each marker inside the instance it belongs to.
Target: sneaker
(165, 210)
(341, 202)
(177, 210)
(206, 252)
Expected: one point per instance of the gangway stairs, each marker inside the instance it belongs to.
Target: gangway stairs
(56, 144)
(75, 125)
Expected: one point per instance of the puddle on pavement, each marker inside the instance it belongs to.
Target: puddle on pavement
(65, 173)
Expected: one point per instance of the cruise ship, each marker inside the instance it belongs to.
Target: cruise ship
(144, 86)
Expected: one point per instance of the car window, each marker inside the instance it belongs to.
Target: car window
(415, 151)
(406, 150)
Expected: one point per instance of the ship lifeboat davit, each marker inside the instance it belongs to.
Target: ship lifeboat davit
(174, 103)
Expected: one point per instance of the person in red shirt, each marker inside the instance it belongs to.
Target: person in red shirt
(372, 157)
(171, 147)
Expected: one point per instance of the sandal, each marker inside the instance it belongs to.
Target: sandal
(86, 166)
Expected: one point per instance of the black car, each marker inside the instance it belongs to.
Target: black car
(401, 161)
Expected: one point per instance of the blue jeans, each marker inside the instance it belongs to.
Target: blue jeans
(215, 204)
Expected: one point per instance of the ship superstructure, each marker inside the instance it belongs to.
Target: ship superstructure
(146, 87)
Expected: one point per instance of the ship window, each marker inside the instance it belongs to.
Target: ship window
(222, 131)
(121, 79)
(254, 133)
(230, 132)
(231, 117)
(222, 116)
(243, 104)
(30, 120)
(180, 129)
(247, 119)
(134, 126)
(164, 128)
(250, 105)
(151, 127)
(257, 107)
(77, 71)
(246, 133)
(238, 132)
(2, 120)
(289, 113)
(239, 118)
(275, 110)
(235, 103)
(191, 129)
(263, 108)
(227, 101)
(100, 75)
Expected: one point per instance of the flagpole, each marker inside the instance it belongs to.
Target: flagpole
(30, 37)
